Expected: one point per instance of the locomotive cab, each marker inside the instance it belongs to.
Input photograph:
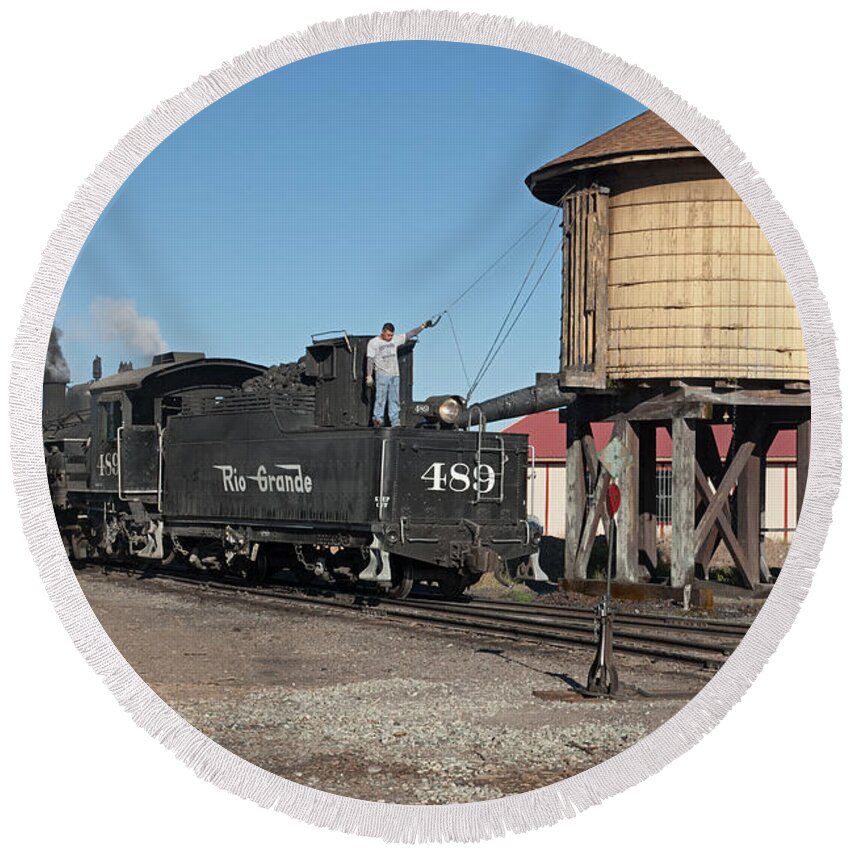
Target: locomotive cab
(120, 502)
(130, 409)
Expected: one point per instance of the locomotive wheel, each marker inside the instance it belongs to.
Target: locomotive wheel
(259, 569)
(452, 585)
(76, 547)
(169, 552)
(79, 546)
(402, 580)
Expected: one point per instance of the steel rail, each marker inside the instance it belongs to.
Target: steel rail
(565, 623)
(671, 622)
(448, 615)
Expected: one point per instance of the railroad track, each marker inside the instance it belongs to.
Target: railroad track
(576, 626)
(706, 643)
(670, 622)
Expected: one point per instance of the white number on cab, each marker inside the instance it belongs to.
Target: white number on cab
(458, 478)
(107, 464)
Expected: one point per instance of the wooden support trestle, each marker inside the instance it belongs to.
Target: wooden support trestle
(714, 501)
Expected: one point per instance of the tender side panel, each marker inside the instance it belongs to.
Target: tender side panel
(240, 468)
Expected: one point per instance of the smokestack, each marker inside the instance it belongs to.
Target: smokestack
(96, 369)
(56, 369)
(56, 376)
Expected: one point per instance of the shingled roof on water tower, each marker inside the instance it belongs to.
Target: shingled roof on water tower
(645, 137)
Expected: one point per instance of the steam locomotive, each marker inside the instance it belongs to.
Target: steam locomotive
(181, 461)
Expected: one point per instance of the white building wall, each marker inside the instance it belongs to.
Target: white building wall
(780, 503)
(547, 498)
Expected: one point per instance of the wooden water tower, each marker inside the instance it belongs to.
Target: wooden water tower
(675, 313)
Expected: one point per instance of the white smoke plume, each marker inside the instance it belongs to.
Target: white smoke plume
(55, 366)
(116, 318)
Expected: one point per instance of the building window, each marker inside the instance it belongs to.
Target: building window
(664, 494)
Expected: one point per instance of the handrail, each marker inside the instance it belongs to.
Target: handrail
(342, 331)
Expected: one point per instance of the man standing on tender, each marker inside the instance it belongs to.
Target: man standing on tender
(382, 370)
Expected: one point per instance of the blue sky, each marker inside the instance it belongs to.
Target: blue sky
(364, 185)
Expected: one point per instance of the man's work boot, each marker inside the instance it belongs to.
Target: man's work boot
(376, 423)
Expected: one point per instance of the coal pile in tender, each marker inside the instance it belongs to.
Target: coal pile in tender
(286, 378)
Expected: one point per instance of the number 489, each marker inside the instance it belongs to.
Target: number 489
(459, 478)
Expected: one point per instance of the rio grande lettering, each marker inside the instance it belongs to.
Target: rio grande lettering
(290, 480)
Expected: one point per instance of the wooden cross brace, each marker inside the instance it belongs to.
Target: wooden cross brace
(600, 479)
(717, 517)
(596, 510)
(723, 523)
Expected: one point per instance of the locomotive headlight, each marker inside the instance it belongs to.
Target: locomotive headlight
(449, 410)
(440, 408)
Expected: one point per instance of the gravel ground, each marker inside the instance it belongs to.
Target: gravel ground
(364, 706)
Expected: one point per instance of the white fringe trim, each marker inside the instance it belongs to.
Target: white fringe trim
(469, 821)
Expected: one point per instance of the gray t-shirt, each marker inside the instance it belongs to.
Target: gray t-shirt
(384, 353)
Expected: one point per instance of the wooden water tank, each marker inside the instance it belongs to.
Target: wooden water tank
(666, 273)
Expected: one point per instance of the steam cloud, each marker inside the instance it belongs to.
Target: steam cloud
(117, 319)
(55, 366)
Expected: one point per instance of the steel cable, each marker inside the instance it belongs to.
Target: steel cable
(486, 366)
(494, 264)
(473, 384)
(459, 351)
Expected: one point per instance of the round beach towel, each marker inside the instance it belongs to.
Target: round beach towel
(469, 599)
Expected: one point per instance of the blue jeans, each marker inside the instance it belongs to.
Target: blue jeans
(386, 394)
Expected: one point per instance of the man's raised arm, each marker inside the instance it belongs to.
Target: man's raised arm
(417, 330)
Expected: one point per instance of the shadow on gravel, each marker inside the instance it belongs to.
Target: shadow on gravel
(562, 677)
